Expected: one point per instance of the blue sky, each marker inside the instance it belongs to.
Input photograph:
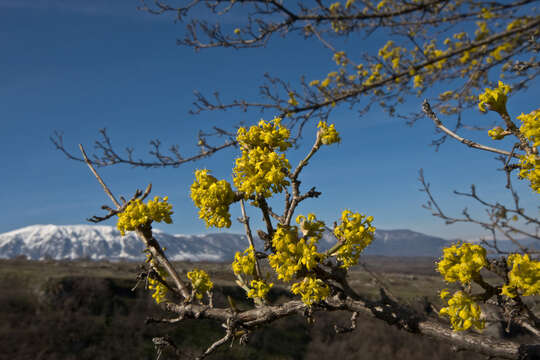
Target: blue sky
(78, 66)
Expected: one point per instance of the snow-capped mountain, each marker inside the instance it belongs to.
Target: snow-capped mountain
(397, 243)
(106, 242)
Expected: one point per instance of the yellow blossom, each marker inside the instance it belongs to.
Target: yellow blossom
(524, 277)
(462, 311)
(200, 282)
(418, 81)
(260, 169)
(355, 232)
(244, 263)
(329, 135)
(497, 133)
(292, 100)
(138, 214)
(259, 289)
(293, 253)
(311, 289)
(213, 199)
(530, 127)
(462, 263)
(160, 290)
(494, 99)
(530, 169)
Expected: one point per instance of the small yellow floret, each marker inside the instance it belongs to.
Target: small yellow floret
(334, 7)
(494, 99)
(244, 263)
(329, 135)
(497, 133)
(200, 282)
(160, 290)
(259, 289)
(462, 263)
(524, 278)
(530, 127)
(292, 100)
(418, 81)
(356, 232)
(311, 289)
(293, 253)
(530, 169)
(138, 214)
(463, 312)
(260, 169)
(213, 199)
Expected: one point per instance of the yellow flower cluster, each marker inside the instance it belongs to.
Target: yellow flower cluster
(292, 99)
(244, 263)
(329, 135)
(418, 81)
(462, 311)
(462, 263)
(160, 290)
(200, 281)
(333, 7)
(356, 231)
(497, 53)
(260, 169)
(381, 4)
(524, 278)
(292, 254)
(516, 23)
(375, 75)
(482, 31)
(138, 214)
(486, 14)
(530, 164)
(311, 289)
(530, 169)
(392, 53)
(213, 199)
(431, 51)
(495, 99)
(259, 289)
(267, 135)
(310, 226)
(340, 58)
(497, 133)
(531, 126)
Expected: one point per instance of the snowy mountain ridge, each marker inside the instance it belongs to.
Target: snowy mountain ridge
(105, 242)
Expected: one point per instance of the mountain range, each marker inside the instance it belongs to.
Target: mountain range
(105, 242)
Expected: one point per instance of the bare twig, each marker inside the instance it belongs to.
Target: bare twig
(245, 220)
(105, 188)
(426, 107)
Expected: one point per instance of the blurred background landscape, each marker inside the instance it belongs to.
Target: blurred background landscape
(86, 309)
(68, 292)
